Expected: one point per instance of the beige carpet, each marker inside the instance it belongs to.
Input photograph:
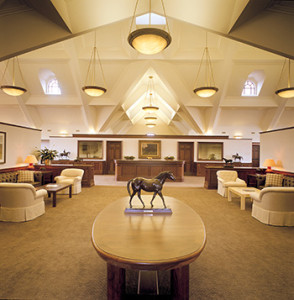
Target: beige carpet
(52, 256)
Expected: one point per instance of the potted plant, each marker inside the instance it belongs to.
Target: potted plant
(46, 155)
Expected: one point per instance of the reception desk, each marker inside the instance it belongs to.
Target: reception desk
(128, 169)
(211, 178)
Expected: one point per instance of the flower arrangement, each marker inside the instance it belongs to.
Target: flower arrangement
(169, 157)
(129, 157)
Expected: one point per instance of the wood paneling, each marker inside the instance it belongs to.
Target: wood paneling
(113, 151)
(98, 165)
(128, 169)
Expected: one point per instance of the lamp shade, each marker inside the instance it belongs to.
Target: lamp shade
(150, 108)
(269, 163)
(149, 40)
(205, 92)
(150, 125)
(13, 90)
(286, 92)
(31, 159)
(94, 91)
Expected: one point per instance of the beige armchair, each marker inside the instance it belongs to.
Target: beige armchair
(21, 202)
(274, 206)
(73, 176)
(227, 179)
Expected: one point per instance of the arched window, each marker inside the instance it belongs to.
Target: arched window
(249, 88)
(53, 87)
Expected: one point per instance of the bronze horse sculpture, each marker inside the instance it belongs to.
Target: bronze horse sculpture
(149, 185)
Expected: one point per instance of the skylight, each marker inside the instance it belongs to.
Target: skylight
(152, 19)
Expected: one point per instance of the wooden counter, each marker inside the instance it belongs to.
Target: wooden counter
(211, 178)
(88, 177)
(128, 169)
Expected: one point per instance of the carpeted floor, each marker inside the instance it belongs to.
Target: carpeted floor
(52, 256)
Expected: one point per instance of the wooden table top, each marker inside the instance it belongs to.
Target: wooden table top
(148, 241)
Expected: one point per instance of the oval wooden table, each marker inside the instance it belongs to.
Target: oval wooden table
(148, 242)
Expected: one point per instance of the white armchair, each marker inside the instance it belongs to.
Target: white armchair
(72, 176)
(227, 179)
(274, 206)
(21, 202)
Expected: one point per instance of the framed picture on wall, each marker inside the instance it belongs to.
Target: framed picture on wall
(210, 151)
(90, 149)
(2, 147)
(149, 149)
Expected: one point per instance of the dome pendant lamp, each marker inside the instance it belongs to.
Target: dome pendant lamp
(149, 40)
(209, 88)
(287, 92)
(12, 89)
(91, 87)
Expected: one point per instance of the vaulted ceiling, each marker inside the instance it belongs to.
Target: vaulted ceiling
(246, 39)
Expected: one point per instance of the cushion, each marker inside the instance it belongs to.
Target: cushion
(8, 177)
(25, 176)
(273, 179)
(288, 181)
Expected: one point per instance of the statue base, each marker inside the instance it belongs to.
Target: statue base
(153, 211)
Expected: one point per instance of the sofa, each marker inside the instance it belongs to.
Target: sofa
(22, 176)
(274, 206)
(20, 202)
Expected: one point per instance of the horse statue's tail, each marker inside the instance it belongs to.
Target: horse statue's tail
(128, 186)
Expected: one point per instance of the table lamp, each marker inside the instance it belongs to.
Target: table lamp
(269, 163)
(31, 160)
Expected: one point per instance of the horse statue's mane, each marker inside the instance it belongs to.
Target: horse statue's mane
(154, 185)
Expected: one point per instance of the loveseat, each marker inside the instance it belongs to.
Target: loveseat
(22, 176)
(274, 206)
(274, 179)
(21, 202)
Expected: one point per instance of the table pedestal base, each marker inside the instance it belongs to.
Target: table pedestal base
(116, 283)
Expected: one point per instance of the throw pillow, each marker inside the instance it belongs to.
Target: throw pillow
(273, 179)
(25, 176)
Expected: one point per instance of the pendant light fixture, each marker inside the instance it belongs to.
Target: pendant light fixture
(91, 88)
(12, 89)
(209, 88)
(150, 125)
(149, 40)
(149, 95)
(287, 92)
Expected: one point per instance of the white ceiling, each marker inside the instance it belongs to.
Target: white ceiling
(244, 37)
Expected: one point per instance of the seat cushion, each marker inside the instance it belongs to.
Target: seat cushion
(25, 176)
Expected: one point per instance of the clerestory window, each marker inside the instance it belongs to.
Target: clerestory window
(249, 88)
(53, 87)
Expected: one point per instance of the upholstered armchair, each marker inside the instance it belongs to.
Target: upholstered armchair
(21, 202)
(227, 179)
(274, 206)
(72, 176)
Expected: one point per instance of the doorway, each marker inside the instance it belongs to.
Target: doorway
(186, 153)
(113, 151)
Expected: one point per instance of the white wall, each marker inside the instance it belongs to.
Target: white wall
(169, 147)
(20, 142)
(278, 145)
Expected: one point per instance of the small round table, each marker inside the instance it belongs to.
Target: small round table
(148, 242)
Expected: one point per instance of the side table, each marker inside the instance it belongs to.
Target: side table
(47, 176)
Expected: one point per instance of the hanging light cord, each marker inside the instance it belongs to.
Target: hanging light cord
(133, 18)
(13, 71)
(93, 61)
(208, 71)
